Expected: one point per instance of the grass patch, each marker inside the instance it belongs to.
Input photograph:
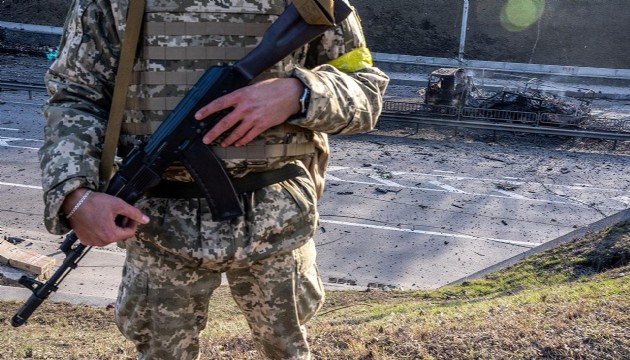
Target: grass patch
(571, 302)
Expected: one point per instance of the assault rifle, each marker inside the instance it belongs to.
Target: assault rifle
(179, 138)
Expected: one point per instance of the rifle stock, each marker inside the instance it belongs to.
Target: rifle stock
(181, 133)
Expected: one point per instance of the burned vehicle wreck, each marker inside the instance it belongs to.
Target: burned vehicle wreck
(452, 90)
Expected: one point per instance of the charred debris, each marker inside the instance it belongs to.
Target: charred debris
(452, 90)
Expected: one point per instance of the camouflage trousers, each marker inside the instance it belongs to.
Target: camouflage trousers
(176, 261)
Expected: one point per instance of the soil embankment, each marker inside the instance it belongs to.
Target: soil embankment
(561, 32)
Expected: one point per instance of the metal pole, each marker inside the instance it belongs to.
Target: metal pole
(462, 36)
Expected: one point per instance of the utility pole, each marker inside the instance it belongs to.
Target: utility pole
(462, 36)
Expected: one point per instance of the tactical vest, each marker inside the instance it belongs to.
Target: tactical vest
(180, 40)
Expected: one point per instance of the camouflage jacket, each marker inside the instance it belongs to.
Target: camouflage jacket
(344, 99)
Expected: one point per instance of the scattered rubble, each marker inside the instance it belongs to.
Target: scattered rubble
(15, 262)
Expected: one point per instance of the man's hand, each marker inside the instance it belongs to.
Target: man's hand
(94, 222)
(257, 107)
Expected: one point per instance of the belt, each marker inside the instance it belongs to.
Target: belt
(247, 183)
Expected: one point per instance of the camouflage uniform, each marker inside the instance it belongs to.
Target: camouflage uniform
(174, 263)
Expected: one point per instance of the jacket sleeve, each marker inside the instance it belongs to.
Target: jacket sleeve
(80, 84)
(346, 90)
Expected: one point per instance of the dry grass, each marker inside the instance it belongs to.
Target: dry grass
(568, 303)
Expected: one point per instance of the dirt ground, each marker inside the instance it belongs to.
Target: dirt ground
(432, 28)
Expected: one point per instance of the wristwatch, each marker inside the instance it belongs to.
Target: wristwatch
(305, 99)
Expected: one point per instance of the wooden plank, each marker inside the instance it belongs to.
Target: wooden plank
(38, 264)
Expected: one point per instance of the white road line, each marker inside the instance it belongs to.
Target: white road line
(444, 172)
(512, 195)
(4, 141)
(17, 147)
(445, 188)
(18, 139)
(504, 180)
(334, 178)
(385, 181)
(21, 185)
(448, 188)
(460, 236)
(10, 129)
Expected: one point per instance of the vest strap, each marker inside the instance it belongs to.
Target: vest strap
(135, 14)
(263, 152)
(250, 182)
(183, 77)
(316, 12)
(195, 52)
(200, 28)
(148, 128)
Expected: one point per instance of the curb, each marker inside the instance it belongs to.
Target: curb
(597, 226)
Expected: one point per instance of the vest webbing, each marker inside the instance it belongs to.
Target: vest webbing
(179, 44)
(262, 152)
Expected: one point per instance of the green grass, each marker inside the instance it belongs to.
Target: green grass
(571, 302)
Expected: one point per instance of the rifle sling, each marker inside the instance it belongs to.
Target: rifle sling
(124, 76)
(250, 182)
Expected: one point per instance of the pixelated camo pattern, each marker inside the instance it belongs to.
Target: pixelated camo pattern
(280, 219)
(80, 84)
(162, 305)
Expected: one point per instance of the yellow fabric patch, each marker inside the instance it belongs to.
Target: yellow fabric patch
(357, 59)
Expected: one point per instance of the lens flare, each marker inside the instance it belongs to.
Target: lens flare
(518, 15)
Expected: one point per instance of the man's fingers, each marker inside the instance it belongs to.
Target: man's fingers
(228, 122)
(219, 104)
(238, 135)
(206, 110)
(250, 135)
(126, 232)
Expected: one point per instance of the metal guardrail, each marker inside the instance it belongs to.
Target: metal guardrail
(14, 85)
(474, 118)
(40, 29)
(507, 120)
(18, 86)
(540, 69)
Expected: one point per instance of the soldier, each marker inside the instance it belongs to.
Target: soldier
(176, 253)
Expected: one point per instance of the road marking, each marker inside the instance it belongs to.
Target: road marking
(505, 180)
(21, 185)
(385, 181)
(10, 129)
(448, 188)
(4, 141)
(460, 236)
(444, 172)
(334, 178)
(512, 195)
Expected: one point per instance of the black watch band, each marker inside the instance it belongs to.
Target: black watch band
(305, 99)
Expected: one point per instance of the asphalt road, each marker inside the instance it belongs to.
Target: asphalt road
(401, 210)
